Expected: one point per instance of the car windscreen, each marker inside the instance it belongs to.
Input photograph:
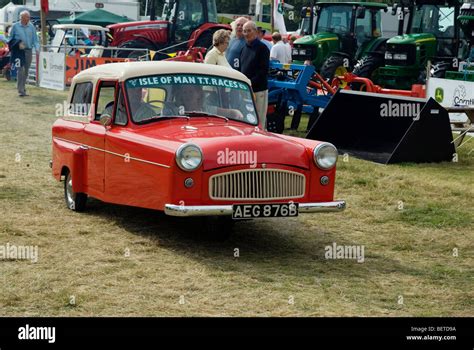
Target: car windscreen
(153, 97)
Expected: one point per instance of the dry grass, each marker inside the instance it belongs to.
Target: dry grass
(409, 252)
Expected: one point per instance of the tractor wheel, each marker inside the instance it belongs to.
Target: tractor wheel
(134, 44)
(334, 66)
(205, 40)
(438, 70)
(367, 68)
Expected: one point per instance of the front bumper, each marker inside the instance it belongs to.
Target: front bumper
(226, 210)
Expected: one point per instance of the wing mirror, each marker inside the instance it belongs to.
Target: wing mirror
(106, 120)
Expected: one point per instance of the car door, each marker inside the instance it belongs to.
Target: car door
(133, 174)
(94, 136)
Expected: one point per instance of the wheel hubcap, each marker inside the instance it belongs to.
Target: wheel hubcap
(70, 195)
(340, 71)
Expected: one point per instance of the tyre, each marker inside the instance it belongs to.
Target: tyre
(335, 66)
(134, 44)
(204, 40)
(367, 68)
(438, 70)
(74, 201)
(219, 228)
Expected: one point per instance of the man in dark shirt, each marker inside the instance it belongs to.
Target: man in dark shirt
(254, 62)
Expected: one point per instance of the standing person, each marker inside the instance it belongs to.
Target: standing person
(261, 33)
(254, 62)
(237, 42)
(288, 47)
(280, 50)
(220, 41)
(24, 32)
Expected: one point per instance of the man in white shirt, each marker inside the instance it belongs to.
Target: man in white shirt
(280, 50)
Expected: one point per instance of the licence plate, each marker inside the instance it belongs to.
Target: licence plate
(275, 210)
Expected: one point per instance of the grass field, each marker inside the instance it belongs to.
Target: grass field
(416, 223)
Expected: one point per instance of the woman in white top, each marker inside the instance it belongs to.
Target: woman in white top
(216, 55)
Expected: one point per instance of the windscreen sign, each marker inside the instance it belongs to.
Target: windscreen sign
(166, 80)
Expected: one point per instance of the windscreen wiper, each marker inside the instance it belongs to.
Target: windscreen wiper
(158, 117)
(204, 114)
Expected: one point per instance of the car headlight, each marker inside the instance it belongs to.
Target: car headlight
(302, 52)
(325, 156)
(400, 56)
(189, 157)
(388, 56)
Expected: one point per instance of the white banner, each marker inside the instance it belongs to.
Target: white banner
(278, 18)
(52, 70)
(451, 93)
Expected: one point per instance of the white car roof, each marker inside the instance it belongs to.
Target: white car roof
(79, 26)
(127, 70)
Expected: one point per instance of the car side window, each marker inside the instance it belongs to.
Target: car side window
(121, 111)
(105, 99)
(81, 99)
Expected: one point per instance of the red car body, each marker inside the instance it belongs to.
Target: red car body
(137, 165)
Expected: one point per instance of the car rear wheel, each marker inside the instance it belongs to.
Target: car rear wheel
(74, 201)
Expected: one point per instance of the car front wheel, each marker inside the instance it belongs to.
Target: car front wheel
(74, 201)
(219, 228)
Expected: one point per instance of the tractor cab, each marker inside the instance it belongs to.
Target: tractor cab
(440, 21)
(308, 21)
(184, 24)
(466, 68)
(345, 30)
(185, 16)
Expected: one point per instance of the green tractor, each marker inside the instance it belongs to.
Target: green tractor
(432, 36)
(342, 33)
(466, 21)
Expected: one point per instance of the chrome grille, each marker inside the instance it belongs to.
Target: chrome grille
(258, 184)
